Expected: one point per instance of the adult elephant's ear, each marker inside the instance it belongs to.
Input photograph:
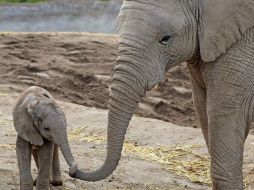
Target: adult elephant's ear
(221, 24)
(23, 119)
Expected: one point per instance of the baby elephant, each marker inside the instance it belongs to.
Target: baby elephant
(41, 127)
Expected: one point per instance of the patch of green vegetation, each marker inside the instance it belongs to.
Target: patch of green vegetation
(20, 1)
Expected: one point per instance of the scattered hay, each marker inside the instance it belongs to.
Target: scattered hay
(7, 146)
(2, 94)
(4, 121)
(13, 132)
(155, 187)
(183, 160)
(80, 135)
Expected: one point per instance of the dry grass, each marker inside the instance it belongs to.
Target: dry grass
(7, 146)
(4, 121)
(183, 160)
(3, 93)
(78, 134)
(180, 159)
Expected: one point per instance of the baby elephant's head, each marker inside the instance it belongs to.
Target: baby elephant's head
(48, 118)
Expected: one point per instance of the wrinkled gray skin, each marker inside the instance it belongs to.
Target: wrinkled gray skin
(216, 38)
(41, 127)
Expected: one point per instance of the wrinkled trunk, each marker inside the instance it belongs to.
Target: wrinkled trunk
(126, 92)
(62, 142)
(66, 151)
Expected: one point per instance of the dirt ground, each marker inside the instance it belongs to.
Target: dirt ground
(157, 155)
(77, 67)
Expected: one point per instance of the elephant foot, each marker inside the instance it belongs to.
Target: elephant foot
(220, 185)
(28, 186)
(57, 181)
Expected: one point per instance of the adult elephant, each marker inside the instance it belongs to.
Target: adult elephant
(216, 38)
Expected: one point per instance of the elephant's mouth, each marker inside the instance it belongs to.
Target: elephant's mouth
(48, 137)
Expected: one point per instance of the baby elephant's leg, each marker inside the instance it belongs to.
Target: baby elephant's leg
(45, 154)
(23, 150)
(35, 155)
(56, 173)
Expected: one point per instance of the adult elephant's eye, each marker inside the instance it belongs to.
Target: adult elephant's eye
(165, 39)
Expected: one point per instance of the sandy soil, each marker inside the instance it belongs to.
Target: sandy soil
(132, 173)
(136, 171)
(77, 67)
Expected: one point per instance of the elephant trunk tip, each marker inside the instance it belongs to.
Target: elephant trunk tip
(92, 176)
(79, 174)
(73, 169)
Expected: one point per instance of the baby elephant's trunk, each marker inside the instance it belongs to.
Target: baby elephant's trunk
(66, 151)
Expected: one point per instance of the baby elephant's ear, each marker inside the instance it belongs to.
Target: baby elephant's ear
(23, 115)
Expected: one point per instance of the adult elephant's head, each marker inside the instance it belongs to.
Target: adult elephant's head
(154, 36)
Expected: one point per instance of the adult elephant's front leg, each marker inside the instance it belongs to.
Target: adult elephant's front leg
(228, 108)
(227, 136)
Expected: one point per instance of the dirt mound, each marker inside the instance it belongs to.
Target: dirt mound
(77, 67)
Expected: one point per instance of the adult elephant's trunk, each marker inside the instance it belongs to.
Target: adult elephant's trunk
(126, 92)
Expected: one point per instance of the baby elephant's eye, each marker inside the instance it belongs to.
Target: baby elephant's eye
(165, 39)
(47, 129)
(37, 122)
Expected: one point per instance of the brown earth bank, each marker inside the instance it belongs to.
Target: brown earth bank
(77, 68)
